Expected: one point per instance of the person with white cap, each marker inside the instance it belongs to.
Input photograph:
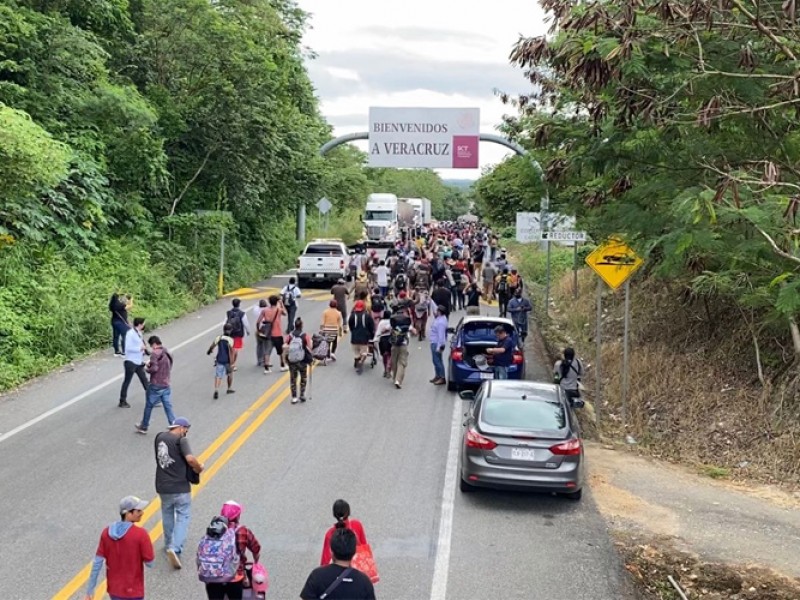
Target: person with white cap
(245, 540)
(175, 466)
(125, 549)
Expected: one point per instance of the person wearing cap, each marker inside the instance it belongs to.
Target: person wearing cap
(245, 540)
(438, 338)
(125, 549)
(362, 331)
(402, 329)
(174, 461)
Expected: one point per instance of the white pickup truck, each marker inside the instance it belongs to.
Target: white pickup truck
(322, 260)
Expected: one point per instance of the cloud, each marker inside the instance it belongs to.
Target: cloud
(427, 34)
(398, 71)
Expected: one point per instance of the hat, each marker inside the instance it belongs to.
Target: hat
(129, 503)
(180, 422)
(231, 510)
(359, 305)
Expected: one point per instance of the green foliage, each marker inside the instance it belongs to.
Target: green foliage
(532, 261)
(512, 186)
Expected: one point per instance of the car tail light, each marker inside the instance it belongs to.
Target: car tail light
(518, 357)
(341, 264)
(298, 263)
(457, 354)
(568, 448)
(476, 440)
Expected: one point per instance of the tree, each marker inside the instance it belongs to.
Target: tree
(509, 187)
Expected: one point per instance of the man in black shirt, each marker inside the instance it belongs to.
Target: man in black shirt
(339, 580)
(503, 353)
(441, 296)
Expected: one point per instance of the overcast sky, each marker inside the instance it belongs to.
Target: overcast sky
(438, 53)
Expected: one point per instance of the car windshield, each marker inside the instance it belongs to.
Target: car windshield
(325, 250)
(534, 414)
(379, 215)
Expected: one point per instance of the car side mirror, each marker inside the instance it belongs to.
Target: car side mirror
(467, 395)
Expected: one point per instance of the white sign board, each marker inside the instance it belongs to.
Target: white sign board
(537, 235)
(324, 205)
(428, 138)
(560, 228)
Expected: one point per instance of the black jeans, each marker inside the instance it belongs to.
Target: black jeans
(220, 591)
(130, 369)
(503, 299)
(292, 310)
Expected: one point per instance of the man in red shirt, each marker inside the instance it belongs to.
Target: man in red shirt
(125, 548)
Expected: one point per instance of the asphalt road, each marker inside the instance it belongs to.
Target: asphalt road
(66, 465)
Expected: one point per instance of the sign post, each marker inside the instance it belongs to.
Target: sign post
(324, 206)
(615, 262)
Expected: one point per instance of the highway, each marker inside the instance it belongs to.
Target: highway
(69, 454)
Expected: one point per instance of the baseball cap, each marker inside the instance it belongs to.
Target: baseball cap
(129, 503)
(180, 422)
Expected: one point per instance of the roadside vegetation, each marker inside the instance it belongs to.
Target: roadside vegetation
(131, 136)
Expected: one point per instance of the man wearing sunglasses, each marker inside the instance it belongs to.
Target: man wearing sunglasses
(126, 549)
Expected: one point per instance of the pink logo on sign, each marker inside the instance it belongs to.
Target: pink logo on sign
(465, 151)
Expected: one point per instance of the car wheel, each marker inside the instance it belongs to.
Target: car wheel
(464, 486)
(574, 495)
(452, 386)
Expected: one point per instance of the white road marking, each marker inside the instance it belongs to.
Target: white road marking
(97, 388)
(442, 565)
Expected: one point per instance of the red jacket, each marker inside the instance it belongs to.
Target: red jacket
(125, 560)
(353, 524)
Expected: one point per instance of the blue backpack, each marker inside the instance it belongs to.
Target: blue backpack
(217, 554)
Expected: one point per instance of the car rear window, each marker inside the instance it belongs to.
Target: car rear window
(532, 414)
(327, 250)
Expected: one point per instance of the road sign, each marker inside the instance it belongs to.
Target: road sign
(529, 227)
(433, 138)
(614, 262)
(324, 205)
(537, 235)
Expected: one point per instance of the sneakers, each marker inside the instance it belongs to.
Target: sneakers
(268, 371)
(295, 400)
(302, 398)
(284, 368)
(174, 559)
(119, 354)
(216, 394)
(123, 404)
(333, 356)
(230, 391)
(140, 429)
(397, 385)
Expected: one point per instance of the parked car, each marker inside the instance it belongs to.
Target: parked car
(521, 435)
(324, 260)
(471, 337)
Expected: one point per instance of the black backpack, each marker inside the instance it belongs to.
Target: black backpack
(288, 296)
(400, 282)
(235, 321)
(502, 285)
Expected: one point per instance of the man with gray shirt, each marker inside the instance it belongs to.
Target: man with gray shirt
(175, 464)
(568, 373)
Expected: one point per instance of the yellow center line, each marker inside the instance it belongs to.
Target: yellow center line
(83, 575)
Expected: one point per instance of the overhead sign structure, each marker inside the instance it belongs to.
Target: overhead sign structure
(324, 205)
(614, 262)
(427, 138)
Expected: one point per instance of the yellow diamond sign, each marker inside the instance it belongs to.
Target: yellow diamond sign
(614, 262)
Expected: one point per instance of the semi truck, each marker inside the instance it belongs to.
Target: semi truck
(422, 212)
(386, 218)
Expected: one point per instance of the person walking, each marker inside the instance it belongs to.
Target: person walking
(297, 350)
(261, 341)
(159, 390)
(438, 337)
(125, 549)
(341, 512)
(135, 350)
(383, 333)
(331, 327)
(502, 287)
(290, 294)
(245, 540)
(237, 319)
(340, 294)
(568, 373)
(421, 301)
(474, 296)
(402, 329)
(441, 296)
(119, 323)
(269, 326)
(503, 353)
(519, 307)
(382, 278)
(489, 274)
(362, 331)
(339, 580)
(174, 465)
(222, 362)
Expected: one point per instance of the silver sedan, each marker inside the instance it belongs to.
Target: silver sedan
(523, 435)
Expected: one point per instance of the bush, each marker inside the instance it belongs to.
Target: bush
(531, 261)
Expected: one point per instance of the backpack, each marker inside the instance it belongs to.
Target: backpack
(400, 282)
(288, 296)
(502, 285)
(399, 336)
(297, 349)
(218, 556)
(378, 304)
(265, 329)
(235, 321)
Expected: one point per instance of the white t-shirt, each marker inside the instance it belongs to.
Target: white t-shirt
(382, 276)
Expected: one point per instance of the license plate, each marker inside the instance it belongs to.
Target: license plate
(523, 454)
(319, 275)
(487, 375)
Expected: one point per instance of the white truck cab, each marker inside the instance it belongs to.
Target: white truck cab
(380, 219)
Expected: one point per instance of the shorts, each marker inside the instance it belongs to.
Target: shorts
(360, 350)
(238, 343)
(222, 370)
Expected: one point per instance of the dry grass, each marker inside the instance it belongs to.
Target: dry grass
(694, 394)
